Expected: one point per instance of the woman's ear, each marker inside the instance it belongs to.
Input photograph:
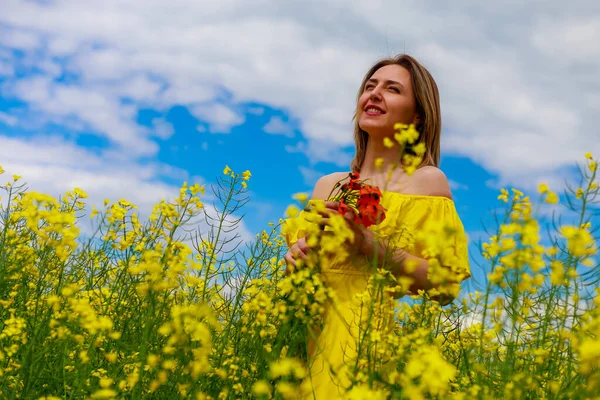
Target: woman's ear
(417, 120)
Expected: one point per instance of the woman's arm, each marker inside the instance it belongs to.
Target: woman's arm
(429, 181)
(402, 264)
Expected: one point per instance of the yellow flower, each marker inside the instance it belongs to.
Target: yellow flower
(104, 394)
(387, 142)
(503, 195)
(589, 352)
(420, 148)
(362, 391)
(261, 387)
(83, 355)
(301, 197)
(80, 193)
(169, 364)
(105, 382)
(286, 389)
(287, 367)
(592, 166)
(1, 170)
(517, 193)
(292, 211)
(579, 241)
(543, 188)
(196, 188)
(153, 359)
(552, 198)
(246, 175)
(378, 162)
(410, 169)
(557, 276)
(16, 177)
(227, 170)
(579, 193)
(588, 155)
(407, 135)
(94, 212)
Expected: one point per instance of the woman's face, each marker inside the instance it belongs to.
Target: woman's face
(387, 99)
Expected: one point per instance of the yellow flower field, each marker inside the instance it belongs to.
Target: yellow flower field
(139, 312)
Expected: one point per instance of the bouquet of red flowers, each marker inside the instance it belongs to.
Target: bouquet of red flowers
(360, 197)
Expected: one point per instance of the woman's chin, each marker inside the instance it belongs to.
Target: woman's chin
(375, 128)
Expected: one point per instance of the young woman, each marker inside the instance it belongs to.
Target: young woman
(394, 90)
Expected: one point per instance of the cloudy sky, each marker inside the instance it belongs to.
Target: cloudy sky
(131, 98)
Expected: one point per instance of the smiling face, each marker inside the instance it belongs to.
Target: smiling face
(388, 98)
(397, 90)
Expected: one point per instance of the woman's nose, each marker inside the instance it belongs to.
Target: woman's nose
(375, 93)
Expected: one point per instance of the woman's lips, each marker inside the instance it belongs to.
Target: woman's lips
(373, 110)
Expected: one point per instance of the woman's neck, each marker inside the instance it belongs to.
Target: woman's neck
(390, 156)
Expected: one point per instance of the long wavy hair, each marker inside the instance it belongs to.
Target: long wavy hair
(427, 100)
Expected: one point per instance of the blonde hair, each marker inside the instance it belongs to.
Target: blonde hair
(427, 101)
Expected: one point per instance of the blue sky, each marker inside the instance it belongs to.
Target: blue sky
(129, 100)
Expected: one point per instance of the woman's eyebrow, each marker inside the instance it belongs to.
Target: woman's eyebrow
(389, 82)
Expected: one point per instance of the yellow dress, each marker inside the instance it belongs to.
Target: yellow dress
(406, 216)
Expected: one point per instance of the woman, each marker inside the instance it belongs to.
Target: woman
(395, 90)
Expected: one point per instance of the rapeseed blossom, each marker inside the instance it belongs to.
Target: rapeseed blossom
(144, 311)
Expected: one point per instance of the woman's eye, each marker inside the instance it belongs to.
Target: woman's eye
(394, 89)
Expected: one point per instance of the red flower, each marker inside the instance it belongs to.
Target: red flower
(343, 208)
(370, 213)
(366, 202)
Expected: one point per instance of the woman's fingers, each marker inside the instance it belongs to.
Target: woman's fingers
(333, 205)
(350, 218)
(330, 207)
(289, 259)
(303, 247)
(290, 263)
(298, 251)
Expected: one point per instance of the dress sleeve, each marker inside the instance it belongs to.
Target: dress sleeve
(439, 234)
(461, 253)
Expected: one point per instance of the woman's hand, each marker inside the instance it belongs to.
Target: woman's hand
(298, 250)
(363, 237)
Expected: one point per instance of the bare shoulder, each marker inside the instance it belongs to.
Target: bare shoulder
(326, 183)
(432, 182)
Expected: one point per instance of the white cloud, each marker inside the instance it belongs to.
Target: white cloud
(220, 117)
(6, 69)
(19, 39)
(8, 119)
(256, 110)
(319, 150)
(99, 111)
(162, 128)
(139, 88)
(276, 126)
(570, 40)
